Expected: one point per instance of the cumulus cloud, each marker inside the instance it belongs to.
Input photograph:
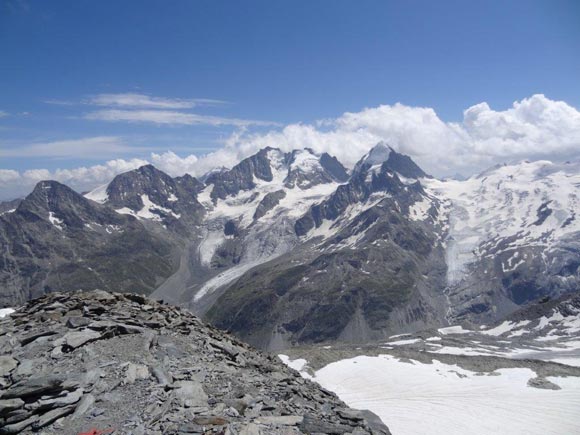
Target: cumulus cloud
(145, 101)
(14, 184)
(535, 127)
(170, 117)
(174, 165)
(8, 176)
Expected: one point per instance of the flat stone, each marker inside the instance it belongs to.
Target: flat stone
(374, 422)
(17, 415)
(102, 296)
(34, 387)
(10, 405)
(25, 368)
(51, 416)
(210, 421)
(251, 429)
(19, 426)
(67, 399)
(227, 347)
(162, 377)
(100, 325)
(190, 428)
(7, 364)
(76, 339)
(350, 414)
(282, 420)
(77, 322)
(83, 406)
(312, 424)
(27, 339)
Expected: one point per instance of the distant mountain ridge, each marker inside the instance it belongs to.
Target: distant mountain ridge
(291, 247)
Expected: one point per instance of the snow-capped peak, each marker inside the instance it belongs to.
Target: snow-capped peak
(378, 154)
(305, 161)
(372, 161)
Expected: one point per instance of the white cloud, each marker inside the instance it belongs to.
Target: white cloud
(141, 108)
(14, 183)
(91, 147)
(535, 127)
(8, 176)
(57, 102)
(172, 164)
(169, 117)
(3, 114)
(145, 101)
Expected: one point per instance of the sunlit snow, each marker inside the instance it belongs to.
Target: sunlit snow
(414, 398)
(6, 312)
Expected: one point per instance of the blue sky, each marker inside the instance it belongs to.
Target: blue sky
(67, 67)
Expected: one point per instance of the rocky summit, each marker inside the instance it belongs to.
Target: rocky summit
(111, 363)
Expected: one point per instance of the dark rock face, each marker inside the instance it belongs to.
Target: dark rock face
(269, 201)
(56, 238)
(405, 166)
(150, 369)
(241, 176)
(174, 201)
(567, 305)
(360, 187)
(300, 172)
(334, 167)
(9, 206)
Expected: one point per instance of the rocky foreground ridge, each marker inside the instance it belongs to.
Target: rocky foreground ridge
(99, 362)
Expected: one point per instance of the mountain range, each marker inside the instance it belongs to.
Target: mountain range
(288, 248)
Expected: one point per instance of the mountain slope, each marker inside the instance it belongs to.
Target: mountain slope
(366, 265)
(513, 237)
(290, 247)
(149, 194)
(56, 238)
(250, 212)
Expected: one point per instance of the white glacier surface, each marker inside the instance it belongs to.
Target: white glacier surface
(415, 399)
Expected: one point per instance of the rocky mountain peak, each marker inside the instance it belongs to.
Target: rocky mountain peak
(241, 177)
(60, 205)
(405, 166)
(148, 193)
(88, 362)
(378, 154)
(126, 189)
(51, 192)
(334, 167)
(384, 158)
(306, 169)
(302, 168)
